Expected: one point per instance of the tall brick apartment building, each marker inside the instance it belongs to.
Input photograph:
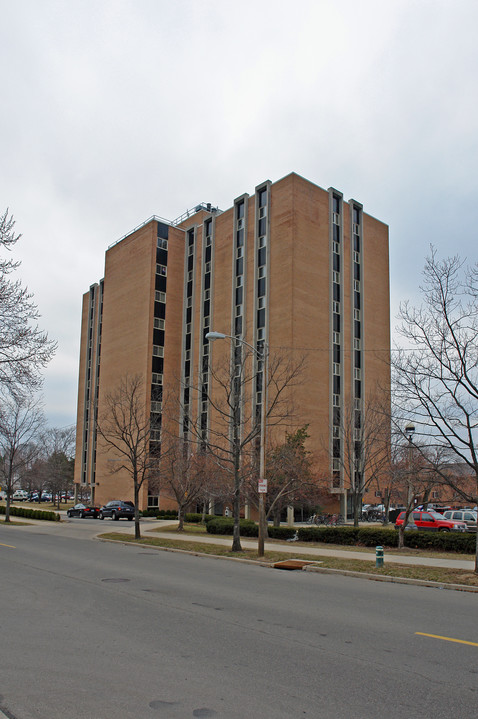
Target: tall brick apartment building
(292, 265)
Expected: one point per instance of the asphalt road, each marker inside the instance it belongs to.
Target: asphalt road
(98, 630)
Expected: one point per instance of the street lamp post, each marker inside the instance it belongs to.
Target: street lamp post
(409, 432)
(264, 358)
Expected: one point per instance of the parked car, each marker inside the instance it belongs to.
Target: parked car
(463, 515)
(432, 507)
(20, 495)
(117, 510)
(83, 510)
(431, 521)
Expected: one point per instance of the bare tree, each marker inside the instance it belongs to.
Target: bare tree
(21, 420)
(290, 479)
(436, 374)
(24, 348)
(184, 474)
(365, 442)
(127, 429)
(53, 469)
(390, 481)
(415, 472)
(234, 431)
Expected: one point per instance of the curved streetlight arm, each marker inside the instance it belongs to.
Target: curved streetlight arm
(211, 336)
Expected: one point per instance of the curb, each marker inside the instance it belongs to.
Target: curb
(394, 580)
(307, 568)
(187, 551)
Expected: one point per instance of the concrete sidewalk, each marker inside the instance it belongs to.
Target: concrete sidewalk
(295, 548)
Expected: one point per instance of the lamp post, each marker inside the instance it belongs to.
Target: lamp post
(264, 358)
(409, 432)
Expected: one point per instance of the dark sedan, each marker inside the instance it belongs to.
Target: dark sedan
(117, 510)
(83, 510)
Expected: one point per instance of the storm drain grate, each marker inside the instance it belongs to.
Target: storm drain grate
(292, 564)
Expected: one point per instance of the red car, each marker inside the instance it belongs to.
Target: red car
(431, 521)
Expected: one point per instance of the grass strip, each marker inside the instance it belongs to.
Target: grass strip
(198, 529)
(406, 571)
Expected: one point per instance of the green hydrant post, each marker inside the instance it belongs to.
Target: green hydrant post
(379, 556)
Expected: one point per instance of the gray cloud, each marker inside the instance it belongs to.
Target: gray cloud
(117, 110)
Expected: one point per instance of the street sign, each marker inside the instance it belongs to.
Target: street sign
(262, 486)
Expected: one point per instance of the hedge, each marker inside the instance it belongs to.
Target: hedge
(225, 525)
(281, 532)
(329, 535)
(464, 543)
(197, 518)
(372, 536)
(32, 513)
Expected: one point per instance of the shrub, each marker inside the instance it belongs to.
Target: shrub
(281, 532)
(373, 536)
(32, 513)
(196, 517)
(225, 525)
(446, 541)
(329, 535)
(464, 543)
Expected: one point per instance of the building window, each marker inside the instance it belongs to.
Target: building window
(160, 296)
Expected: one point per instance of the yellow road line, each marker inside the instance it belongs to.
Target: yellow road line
(447, 639)
(7, 545)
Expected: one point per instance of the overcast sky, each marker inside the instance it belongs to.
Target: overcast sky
(115, 110)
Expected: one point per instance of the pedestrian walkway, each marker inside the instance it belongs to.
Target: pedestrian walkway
(295, 548)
